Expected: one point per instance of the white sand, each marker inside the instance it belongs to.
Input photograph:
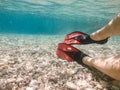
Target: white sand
(29, 63)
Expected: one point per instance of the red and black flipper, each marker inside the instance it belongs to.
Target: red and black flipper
(69, 53)
(81, 38)
(72, 37)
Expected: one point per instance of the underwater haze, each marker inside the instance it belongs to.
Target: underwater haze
(55, 16)
(30, 33)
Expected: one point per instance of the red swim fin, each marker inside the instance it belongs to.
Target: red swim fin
(66, 51)
(70, 38)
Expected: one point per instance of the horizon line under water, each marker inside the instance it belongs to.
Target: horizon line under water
(55, 16)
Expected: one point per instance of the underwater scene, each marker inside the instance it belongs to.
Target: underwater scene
(30, 31)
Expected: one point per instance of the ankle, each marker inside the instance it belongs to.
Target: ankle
(87, 60)
(97, 36)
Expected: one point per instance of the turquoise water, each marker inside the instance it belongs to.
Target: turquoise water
(55, 16)
(30, 31)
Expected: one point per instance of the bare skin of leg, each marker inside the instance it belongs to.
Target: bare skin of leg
(111, 65)
(111, 29)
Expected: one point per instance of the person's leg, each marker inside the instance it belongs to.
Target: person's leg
(111, 29)
(109, 66)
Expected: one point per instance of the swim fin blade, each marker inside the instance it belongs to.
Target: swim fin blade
(69, 53)
(70, 38)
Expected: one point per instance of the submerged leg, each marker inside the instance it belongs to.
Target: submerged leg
(111, 29)
(109, 66)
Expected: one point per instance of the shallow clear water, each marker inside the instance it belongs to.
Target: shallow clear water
(55, 16)
(31, 29)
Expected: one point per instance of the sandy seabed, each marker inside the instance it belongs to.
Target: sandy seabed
(29, 62)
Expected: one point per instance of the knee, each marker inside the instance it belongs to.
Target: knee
(118, 16)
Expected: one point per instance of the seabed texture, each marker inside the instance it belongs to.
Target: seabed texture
(29, 62)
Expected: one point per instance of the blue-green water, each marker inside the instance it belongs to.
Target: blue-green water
(55, 16)
(30, 31)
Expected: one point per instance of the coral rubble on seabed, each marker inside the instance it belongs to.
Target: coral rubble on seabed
(29, 63)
